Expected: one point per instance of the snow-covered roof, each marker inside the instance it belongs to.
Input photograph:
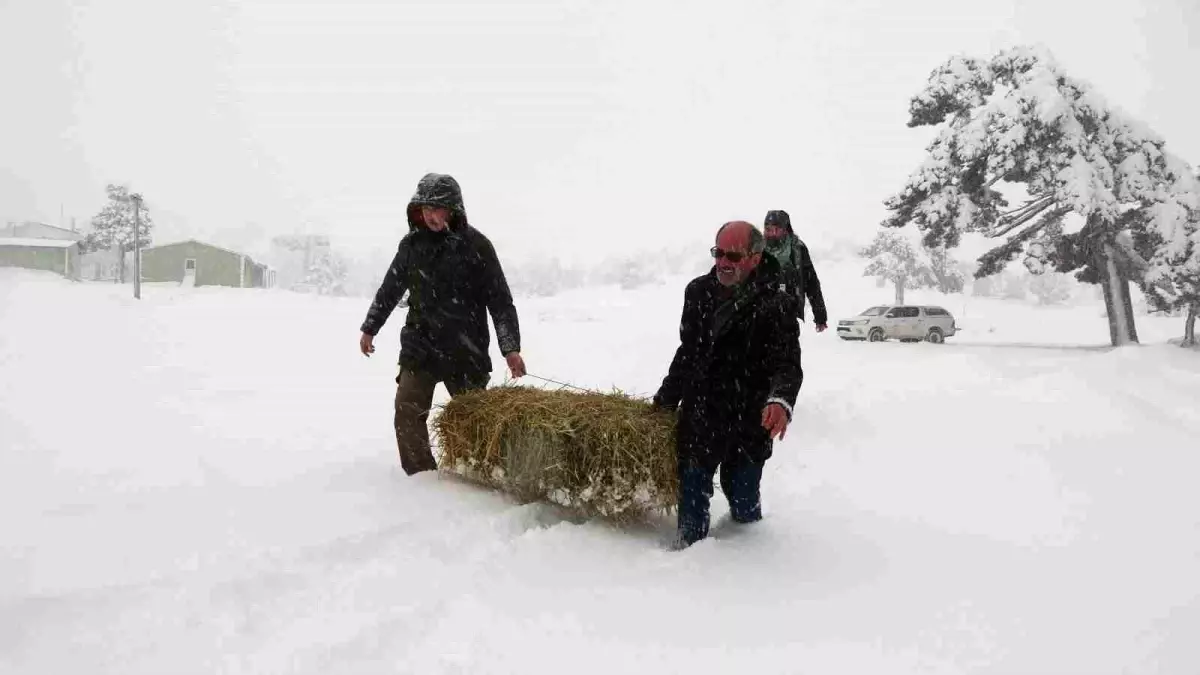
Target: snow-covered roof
(57, 232)
(26, 242)
(198, 242)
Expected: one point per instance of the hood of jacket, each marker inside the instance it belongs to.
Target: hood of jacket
(437, 189)
(778, 217)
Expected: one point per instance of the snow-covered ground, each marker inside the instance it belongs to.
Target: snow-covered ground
(205, 481)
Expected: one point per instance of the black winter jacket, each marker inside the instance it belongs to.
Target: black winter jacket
(799, 271)
(453, 279)
(736, 354)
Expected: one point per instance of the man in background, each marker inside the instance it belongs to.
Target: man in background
(798, 271)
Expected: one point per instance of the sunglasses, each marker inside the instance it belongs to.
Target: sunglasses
(731, 256)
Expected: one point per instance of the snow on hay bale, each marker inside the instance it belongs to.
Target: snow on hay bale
(602, 454)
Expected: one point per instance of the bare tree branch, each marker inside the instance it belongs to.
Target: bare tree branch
(1046, 217)
(1002, 228)
(1033, 203)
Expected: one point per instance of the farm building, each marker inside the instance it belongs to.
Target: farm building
(195, 263)
(29, 229)
(95, 266)
(52, 255)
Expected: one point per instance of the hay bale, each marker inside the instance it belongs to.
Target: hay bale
(602, 454)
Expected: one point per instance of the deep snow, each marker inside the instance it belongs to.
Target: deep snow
(205, 481)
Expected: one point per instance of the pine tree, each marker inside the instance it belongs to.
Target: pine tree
(113, 227)
(1172, 260)
(893, 258)
(1017, 119)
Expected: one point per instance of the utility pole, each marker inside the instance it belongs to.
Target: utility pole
(137, 245)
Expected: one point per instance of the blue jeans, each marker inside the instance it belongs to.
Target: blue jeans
(740, 480)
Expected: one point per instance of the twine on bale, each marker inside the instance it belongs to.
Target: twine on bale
(605, 454)
(561, 384)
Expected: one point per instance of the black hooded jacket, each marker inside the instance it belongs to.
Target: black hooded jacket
(453, 279)
(799, 271)
(736, 354)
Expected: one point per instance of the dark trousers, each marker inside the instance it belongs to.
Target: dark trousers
(740, 480)
(414, 398)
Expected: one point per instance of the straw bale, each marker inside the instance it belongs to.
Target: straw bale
(605, 454)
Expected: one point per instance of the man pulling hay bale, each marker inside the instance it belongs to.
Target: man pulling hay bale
(734, 379)
(601, 454)
(453, 279)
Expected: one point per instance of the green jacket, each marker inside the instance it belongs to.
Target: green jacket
(798, 269)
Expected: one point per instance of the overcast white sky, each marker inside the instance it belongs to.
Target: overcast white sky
(577, 127)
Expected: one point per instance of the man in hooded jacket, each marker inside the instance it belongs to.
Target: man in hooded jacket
(453, 279)
(797, 264)
(734, 379)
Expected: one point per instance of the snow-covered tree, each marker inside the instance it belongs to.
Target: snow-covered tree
(1173, 280)
(542, 277)
(113, 227)
(635, 273)
(947, 274)
(1007, 285)
(628, 272)
(1051, 289)
(893, 258)
(984, 288)
(1012, 286)
(1090, 173)
(327, 274)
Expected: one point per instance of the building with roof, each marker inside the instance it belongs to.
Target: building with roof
(28, 229)
(196, 263)
(35, 253)
(95, 265)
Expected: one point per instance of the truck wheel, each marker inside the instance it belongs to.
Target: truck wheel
(876, 335)
(935, 336)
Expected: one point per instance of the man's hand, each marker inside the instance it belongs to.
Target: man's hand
(366, 344)
(775, 420)
(821, 327)
(659, 404)
(516, 364)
